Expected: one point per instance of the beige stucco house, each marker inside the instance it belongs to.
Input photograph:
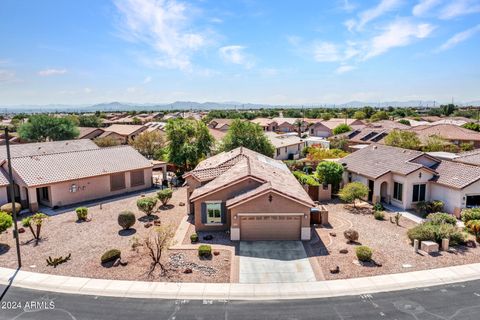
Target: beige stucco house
(288, 146)
(123, 132)
(251, 195)
(55, 174)
(404, 177)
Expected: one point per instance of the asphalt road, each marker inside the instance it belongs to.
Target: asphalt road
(449, 302)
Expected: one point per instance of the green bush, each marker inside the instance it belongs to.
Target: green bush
(147, 204)
(470, 214)
(126, 219)
(435, 206)
(428, 231)
(6, 221)
(379, 215)
(110, 255)
(442, 218)
(165, 195)
(8, 207)
(82, 213)
(364, 253)
(378, 207)
(422, 232)
(194, 238)
(305, 179)
(204, 250)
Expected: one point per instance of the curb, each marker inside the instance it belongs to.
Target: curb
(239, 291)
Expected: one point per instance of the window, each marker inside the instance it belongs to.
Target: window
(473, 201)
(214, 212)
(418, 192)
(278, 152)
(137, 178)
(117, 181)
(397, 191)
(311, 131)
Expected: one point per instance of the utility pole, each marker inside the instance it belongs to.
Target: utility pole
(12, 198)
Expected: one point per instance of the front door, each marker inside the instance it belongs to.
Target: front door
(371, 184)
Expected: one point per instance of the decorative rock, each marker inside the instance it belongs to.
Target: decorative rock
(471, 244)
(208, 237)
(445, 244)
(333, 234)
(406, 265)
(378, 264)
(117, 262)
(147, 225)
(335, 270)
(216, 253)
(415, 245)
(123, 263)
(157, 223)
(21, 230)
(181, 204)
(33, 266)
(344, 251)
(429, 246)
(187, 270)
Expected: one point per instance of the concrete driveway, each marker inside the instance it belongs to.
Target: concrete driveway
(274, 261)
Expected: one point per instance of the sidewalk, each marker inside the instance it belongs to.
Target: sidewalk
(237, 291)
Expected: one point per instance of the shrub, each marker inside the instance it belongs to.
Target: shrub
(353, 191)
(204, 250)
(422, 232)
(470, 214)
(364, 253)
(378, 207)
(8, 207)
(428, 231)
(194, 238)
(110, 255)
(6, 221)
(442, 218)
(305, 179)
(165, 195)
(147, 204)
(435, 206)
(474, 227)
(379, 215)
(82, 213)
(126, 219)
(351, 235)
(447, 231)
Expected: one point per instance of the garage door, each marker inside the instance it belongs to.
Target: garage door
(279, 227)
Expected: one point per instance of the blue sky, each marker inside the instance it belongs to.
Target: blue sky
(277, 52)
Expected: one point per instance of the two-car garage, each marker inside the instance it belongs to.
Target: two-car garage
(254, 227)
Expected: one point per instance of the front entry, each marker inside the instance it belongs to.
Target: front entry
(270, 227)
(371, 184)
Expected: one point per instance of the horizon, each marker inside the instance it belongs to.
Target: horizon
(254, 52)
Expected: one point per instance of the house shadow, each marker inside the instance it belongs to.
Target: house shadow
(316, 247)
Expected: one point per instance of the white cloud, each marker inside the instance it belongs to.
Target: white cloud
(384, 6)
(147, 80)
(87, 90)
(458, 8)
(6, 76)
(347, 6)
(326, 52)
(236, 54)
(424, 6)
(51, 72)
(344, 68)
(165, 26)
(397, 34)
(459, 37)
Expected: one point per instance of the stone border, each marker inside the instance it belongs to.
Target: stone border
(237, 291)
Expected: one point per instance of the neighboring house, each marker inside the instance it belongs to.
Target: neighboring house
(286, 125)
(287, 146)
(455, 134)
(266, 124)
(218, 135)
(70, 175)
(335, 122)
(251, 195)
(469, 157)
(89, 133)
(404, 177)
(123, 132)
(372, 133)
(220, 124)
(318, 129)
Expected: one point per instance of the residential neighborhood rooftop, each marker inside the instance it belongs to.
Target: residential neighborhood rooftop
(469, 157)
(124, 129)
(446, 131)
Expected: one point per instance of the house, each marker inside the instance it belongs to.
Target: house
(123, 132)
(371, 133)
(266, 124)
(318, 129)
(287, 146)
(403, 177)
(469, 157)
(89, 133)
(286, 125)
(55, 174)
(251, 195)
(453, 133)
(220, 124)
(335, 122)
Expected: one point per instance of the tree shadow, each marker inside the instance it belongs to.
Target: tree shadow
(149, 218)
(108, 264)
(167, 207)
(4, 248)
(127, 232)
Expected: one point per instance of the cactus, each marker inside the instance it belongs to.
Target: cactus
(56, 261)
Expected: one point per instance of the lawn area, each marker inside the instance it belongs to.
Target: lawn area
(389, 242)
(87, 241)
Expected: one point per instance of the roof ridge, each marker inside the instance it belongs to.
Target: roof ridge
(71, 151)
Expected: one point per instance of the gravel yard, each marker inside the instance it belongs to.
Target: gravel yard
(389, 242)
(87, 241)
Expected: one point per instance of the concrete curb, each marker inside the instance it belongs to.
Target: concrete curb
(237, 291)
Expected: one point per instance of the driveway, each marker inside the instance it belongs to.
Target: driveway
(274, 261)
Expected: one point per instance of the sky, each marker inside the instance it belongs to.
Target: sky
(259, 51)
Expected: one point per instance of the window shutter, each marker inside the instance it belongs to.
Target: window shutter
(224, 213)
(204, 212)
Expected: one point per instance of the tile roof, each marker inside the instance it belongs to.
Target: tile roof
(40, 148)
(372, 133)
(280, 140)
(446, 131)
(217, 134)
(65, 166)
(125, 129)
(455, 174)
(3, 178)
(263, 121)
(242, 162)
(87, 130)
(470, 157)
(333, 123)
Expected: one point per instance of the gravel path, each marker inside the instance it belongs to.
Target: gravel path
(389, 242)
(87, 241)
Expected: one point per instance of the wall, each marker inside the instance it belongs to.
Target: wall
(3, 195)
(319, 130)
(453, 198)
(221, 195)
(293, 149)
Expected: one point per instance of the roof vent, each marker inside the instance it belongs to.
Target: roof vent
(374, 147)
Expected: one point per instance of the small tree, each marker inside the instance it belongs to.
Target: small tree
(148, 143)
(156, 243)
(359, 115)
(147, 205)
(6, 221)
(342, 128)
(353, 191)
(165, 195)
(403, 139)
(104, 142)
(330, 173)
(36, 220)
(249, 135)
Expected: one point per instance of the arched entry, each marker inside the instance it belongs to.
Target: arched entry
(384, 192)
